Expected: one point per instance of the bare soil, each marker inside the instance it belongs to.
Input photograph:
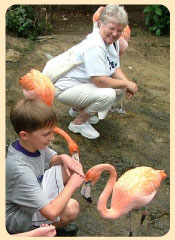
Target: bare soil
(141, 137)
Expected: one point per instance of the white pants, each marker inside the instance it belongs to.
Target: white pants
(52, 185)
(90, 97)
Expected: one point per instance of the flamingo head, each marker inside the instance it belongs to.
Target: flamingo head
(93, 174)
(91, 177)
(86, 191)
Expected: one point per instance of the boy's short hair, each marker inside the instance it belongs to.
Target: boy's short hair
(31, 114)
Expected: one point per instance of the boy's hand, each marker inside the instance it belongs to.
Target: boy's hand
(76, 180)
(70, 163)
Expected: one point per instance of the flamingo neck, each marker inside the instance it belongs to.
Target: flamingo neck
(62, 133)
(73, 147)
(101, 205)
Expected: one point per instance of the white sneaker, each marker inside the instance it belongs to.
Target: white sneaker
(92, 120)
(73, 113)
(86, 130)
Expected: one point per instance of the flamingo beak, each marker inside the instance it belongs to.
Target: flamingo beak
(86, 191)
(76, 156)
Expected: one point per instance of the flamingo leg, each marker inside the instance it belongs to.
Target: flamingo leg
(144, 214)
(130, 225)
(122, 110)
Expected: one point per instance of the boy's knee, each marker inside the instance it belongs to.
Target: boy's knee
(73, 209)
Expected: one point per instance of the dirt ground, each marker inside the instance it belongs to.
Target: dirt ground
(138, 138)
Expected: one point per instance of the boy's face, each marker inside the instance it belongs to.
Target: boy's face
(38, 139)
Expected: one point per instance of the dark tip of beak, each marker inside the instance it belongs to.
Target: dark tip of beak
(89, 199)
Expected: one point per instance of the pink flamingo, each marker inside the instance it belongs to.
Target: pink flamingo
(37, 85)
(134, 189)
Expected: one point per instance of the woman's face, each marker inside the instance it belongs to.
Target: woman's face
(110, 32)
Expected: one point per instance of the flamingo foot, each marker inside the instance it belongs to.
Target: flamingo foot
(130, 234)
(118, 110)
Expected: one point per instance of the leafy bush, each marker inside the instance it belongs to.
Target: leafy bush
(157, 18)
(26, 21)
(19, 19)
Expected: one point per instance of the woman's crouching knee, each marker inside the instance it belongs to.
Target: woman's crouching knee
(109, 96)
(112, 95)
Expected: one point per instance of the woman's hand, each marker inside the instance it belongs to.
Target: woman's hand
(131, 89)
(128, 94)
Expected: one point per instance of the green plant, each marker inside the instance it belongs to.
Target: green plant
(19, 20)
(157, 18)
(27, 20)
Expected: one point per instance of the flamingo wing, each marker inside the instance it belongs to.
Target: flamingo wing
(126, 33)
(136, 188)
(37, 85)
(123, 40)
(142, 179)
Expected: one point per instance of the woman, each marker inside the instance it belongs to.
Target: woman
(92, 87)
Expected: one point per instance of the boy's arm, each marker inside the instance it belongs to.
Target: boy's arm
(68, 162)
(54, 209)
(55, 160)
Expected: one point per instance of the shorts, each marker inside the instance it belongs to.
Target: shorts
(52, 185)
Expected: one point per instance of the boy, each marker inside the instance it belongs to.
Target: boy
(33, 195)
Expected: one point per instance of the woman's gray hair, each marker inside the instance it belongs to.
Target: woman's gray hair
(114, 13)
